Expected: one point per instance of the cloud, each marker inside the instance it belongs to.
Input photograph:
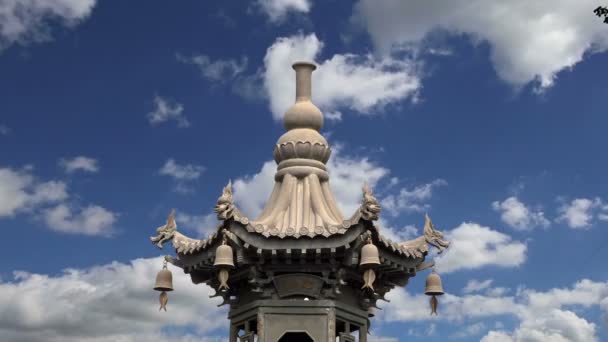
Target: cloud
(541, 315)
(181, 174)
(560, 33)
(165, 110)
(204, 225)
(25, 21)
(556, 325)
(475, 285)
(474, 246)
(277, 10)
(91, 220)
(21, 191)
(579, 213)
(361, 83)
(408, 232)
(81, 163)
(252, 191)
(116, 297)
(517, 215)
(218, 70)
(411, 200)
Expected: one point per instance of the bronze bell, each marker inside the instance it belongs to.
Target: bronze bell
(369, 255)
(164, 280)
(433, 289)
(223, 256)
(433, 285)
(164, 283)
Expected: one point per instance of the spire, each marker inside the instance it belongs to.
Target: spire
(301, 203)
(303, 113)
(303, 80)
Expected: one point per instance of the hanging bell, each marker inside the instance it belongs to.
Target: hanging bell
(164, 283)
(224, 261)
(223, 256)
(369, 255)
(164, 280)
(433, 288)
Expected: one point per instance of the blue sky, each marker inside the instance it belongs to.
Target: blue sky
(489, 117)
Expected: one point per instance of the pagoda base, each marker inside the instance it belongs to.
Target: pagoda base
(294, 320)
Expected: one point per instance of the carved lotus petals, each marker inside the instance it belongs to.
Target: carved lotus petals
(321, 153)
(301, 149)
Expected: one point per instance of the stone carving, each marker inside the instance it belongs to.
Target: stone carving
(370, 208)
(225, 208)
(431, 236)
(165, 232)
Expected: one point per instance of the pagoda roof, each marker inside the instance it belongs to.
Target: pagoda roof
(301, 210)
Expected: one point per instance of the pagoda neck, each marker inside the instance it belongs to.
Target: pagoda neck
(303, 80)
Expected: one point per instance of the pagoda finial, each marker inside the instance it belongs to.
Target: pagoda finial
(303, 114)
(303, 80)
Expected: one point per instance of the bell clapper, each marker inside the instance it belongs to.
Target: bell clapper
(164, 283)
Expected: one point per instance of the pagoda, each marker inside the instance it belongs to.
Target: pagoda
(300, 271)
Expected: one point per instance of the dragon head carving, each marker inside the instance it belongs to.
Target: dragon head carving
(370, 208)
(225, 204)
(434, 237)
(166, 231)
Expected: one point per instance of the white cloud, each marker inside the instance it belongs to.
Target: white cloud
(218, 70)
(347, 176)
(471, 330)
(277, 10)
(474, 246)
(204, 225)
(25, 21)
(116, 297)
(251, 192)
(79, 163)
(541, 315)
(556, 326)
(517, 215)
(408, 232)
(411, 200)
(21, 191)
(333, 116)
(579, 213)
(528, 40)
(475, 285)
(91, 220)
(360, 83)
(181, 172)
(165, 110)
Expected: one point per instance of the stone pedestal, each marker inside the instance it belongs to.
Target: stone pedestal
(297, 320)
